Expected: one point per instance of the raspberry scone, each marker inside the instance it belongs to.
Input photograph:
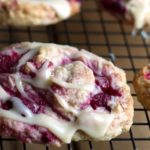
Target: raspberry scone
(141, 84)
(56, 94)
(133, 11)
(36, 12)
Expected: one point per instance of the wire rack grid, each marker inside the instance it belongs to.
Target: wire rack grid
(105, 36)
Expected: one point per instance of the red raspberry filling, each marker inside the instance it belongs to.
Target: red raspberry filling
(101, 99)
(105, 84)
(47, 137)
(35, 98)
(66, 61)
(8, 61)
(101, 80)
(7, 105)
(147, 76)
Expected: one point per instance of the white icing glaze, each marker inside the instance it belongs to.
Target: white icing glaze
(140, 9)
(62, 7)
(95, 126)
(19, 84)
(71, 85)
(11, 81)
(42, 77)
(26, 57)
(20, 108)
(32, 67)
(3, 94)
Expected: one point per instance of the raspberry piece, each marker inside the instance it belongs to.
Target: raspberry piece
(100, 100)
(7, 105)
(8, 61)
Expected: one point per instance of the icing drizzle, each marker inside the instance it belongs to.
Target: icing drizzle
(93, 122)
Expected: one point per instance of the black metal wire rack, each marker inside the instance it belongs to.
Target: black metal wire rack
(102, 34)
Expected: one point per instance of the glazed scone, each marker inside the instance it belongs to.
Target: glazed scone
(36, 12)
(57, 94)
(133, 11)
(141, 84)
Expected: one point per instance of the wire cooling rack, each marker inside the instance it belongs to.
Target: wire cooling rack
(105, 36)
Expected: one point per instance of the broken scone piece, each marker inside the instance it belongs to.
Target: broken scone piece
(136, 12)
(36, 12)
(142, 86)
(56, 94)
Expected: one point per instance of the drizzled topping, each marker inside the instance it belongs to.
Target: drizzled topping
(58, 87)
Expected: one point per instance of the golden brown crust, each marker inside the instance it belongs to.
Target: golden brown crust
(142, 87)
(29, 14)
(123, 119)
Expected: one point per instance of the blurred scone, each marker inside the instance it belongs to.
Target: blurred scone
(142, 86)
(133, 11)
(36, 12)
(55, 94)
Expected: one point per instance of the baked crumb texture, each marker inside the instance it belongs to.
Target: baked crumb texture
(57, 94)
(142, 86)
